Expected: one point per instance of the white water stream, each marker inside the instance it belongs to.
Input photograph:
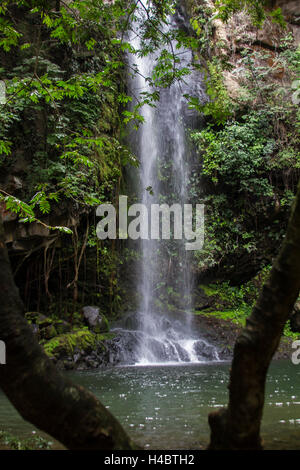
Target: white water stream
(164, 272)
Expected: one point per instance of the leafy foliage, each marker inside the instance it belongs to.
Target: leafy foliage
(249, 158)
(256, 9)
(35, 442)
(62, 127)
(239, 153)
(219, 106)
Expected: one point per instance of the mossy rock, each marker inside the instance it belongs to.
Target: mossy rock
(217, 296)
(104, 326)
(95, 320)
(64, 345)
(38, 318)
(62, 326)
(237, 316)
(48, 332)
(46, 327)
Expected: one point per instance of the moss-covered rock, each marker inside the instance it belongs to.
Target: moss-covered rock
(64, 345)
(45, 327)
(37, 318)
(48, 332)
(62, 326)
(95, 319)
(79, 349)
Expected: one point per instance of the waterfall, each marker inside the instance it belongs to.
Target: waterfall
(162, 330)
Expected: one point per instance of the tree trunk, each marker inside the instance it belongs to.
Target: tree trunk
(238, 426)
(41, 394)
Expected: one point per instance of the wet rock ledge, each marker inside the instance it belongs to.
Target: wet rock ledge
(74, 347)
(93, 345)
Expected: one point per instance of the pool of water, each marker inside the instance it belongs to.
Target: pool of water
(166, 407)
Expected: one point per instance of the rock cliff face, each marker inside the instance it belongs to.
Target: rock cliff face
(230, 38)
(24, 239)
(250, 72)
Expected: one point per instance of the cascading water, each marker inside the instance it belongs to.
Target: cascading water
(157, 335)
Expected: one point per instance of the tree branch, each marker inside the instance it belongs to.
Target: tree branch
(41, 394)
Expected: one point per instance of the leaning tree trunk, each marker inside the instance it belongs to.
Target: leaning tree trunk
(238, 426)
(40, 393)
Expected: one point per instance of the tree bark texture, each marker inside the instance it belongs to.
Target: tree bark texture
(40, 393)
(238, 426)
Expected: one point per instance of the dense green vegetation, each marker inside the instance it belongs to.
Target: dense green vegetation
(235, 303)
(63, 144)
(67, 124)
(36, 442)
(62, 121)
(249, 152)
(62, 132)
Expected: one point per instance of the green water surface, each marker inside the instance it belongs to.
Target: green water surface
(166, 407)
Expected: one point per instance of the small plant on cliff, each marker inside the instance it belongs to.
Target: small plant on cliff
(258, 10)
